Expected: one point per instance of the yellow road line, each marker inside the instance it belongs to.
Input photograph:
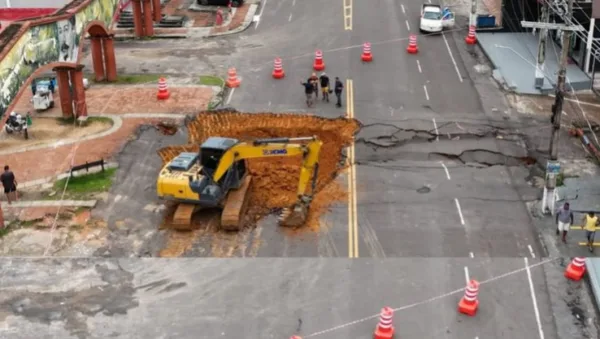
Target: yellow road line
(352, 214)
(347, 15)
(585, 244)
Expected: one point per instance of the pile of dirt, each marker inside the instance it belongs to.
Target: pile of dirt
(275, 179)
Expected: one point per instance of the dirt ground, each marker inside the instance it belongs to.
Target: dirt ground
(121, 99)
(275, 179)
(49, 130)
(573, 112)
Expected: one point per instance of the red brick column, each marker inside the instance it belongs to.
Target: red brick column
(138, 18)
(109, 57)
(97, 58)
(156, 10)
(148, 23)
(79, 91)
(64, 92)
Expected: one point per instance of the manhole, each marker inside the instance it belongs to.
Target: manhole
(424, 189)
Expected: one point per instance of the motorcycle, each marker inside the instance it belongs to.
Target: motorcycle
(16, 123)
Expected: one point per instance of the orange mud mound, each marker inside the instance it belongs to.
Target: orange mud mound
(275, 180)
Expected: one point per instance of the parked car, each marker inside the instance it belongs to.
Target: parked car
(234, 3)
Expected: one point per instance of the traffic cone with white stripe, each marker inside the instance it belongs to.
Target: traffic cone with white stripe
(575, 269)
(163, 91)
(366, 55)
(385, 327)
(469, 302)
(278, 72)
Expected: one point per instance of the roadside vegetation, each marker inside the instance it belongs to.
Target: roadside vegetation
(84, 186)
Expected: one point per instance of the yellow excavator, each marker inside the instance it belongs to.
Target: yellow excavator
(217, 177)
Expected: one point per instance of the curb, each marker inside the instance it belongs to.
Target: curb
(51, 203)
(592, 274)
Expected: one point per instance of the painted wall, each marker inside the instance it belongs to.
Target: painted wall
(48, 43)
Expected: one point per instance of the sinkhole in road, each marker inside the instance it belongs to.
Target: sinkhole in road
(275, 179)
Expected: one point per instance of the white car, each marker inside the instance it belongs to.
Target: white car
(434, 19)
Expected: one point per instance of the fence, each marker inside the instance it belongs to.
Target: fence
(87, 166)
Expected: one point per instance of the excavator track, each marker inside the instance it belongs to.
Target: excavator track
(182, 219)
(235, 207)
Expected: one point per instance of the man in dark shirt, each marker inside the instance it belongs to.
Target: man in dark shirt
(10, 184)
(308, 90)
(339, 87)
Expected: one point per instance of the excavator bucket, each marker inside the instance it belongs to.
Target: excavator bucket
(294, 216)
(235, 207)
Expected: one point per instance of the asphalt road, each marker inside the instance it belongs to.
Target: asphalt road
(429, 172)
(268, 298)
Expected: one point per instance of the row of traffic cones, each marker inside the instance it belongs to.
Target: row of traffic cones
(319, 63)
(468, 304)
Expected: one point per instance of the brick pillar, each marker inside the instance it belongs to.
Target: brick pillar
(138, 18)
(109, 57)
(156, 10)
(148, 23)
(79, 91)
(98, 59)
(64, 92)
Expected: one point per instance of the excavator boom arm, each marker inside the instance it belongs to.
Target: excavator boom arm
(308, 147)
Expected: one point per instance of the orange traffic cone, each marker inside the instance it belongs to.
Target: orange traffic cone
(232, 80)
(412, 44)
(366, 55)
(575, 269)
(163, 91)
(385, 327)
(319, 64)
(295, 337)
(278, 72)
(471, 39)
(469, 303)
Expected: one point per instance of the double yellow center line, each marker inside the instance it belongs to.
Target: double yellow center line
(347, 15)
(352, 215)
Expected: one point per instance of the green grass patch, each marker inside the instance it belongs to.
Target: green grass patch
(15, 225)
(129, 79)
(89, 183)
(90, 120)
(560, 178)
(210, 80)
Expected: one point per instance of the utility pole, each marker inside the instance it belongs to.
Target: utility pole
(539, 70)
(473, 17)
(553, 166)
(560, 84)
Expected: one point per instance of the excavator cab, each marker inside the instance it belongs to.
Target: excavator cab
(211, 152)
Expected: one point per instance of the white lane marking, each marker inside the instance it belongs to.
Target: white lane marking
(426, 93)
(462, 220)
(269, 104)
(467, 278)
(531, 251)
(407, 25)
(403, 10)
(290, 18)
(471, 255)
(452, 57)
(293, 2)
(437, 134)
(419, 66)
(446, 169)
(534, 299)
(429, 1)
(230, 95)
(262, 9)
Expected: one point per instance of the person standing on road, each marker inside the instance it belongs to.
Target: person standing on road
(590, 222)
(339, 87)
(308, 91)
(324, 86)
(314, 80)
(564, 220)
(10, 184)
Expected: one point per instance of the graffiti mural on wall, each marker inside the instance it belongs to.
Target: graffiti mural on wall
(49, 43)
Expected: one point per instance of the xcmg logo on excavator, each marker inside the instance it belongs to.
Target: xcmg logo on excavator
(274, 151)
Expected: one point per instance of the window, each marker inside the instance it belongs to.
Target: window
(432, 16)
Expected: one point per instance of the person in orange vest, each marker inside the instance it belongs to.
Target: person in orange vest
(590, 222)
